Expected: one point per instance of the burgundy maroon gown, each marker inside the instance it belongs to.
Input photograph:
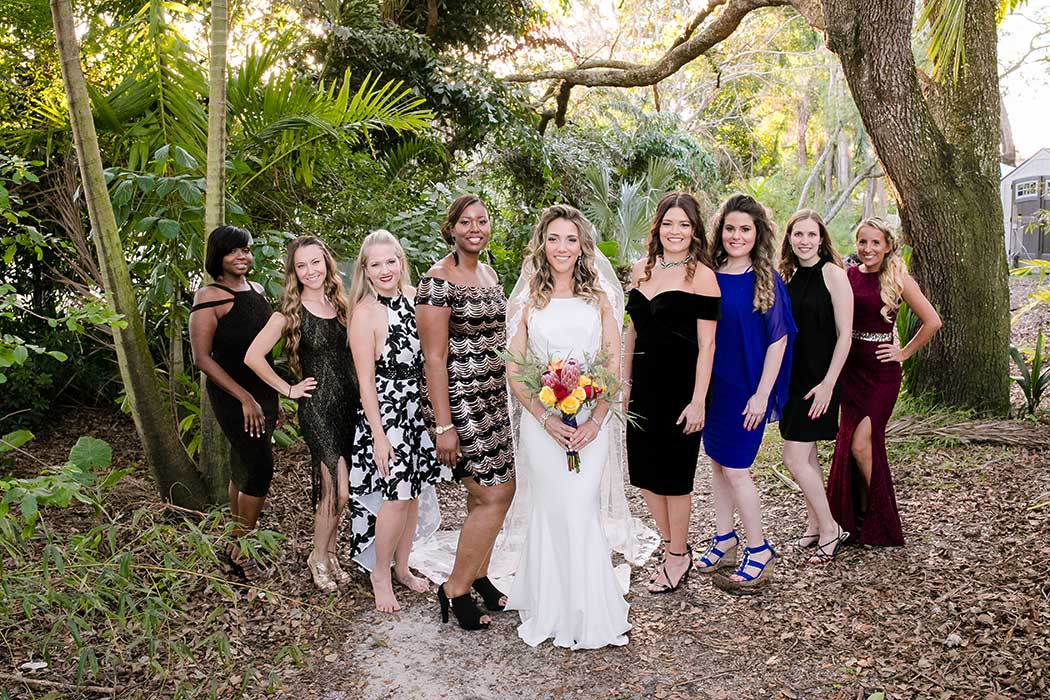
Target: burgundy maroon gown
(869, 389)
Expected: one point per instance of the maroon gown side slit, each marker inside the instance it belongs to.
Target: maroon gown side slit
(869, 389)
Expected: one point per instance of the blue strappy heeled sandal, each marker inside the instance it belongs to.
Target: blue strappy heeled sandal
(752, 583)
(715, 558)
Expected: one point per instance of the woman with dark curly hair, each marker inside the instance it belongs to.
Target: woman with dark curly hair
(748, 384)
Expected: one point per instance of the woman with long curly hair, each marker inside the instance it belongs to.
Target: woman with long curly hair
(822, 305)
(860, 485)
(394, 465)
(674, 305)
(312, 322)
(567, 304)
(748, 385)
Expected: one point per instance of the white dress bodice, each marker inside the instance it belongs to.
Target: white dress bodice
(565, 328)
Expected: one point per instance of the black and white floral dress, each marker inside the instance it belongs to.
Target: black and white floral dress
(416, 469)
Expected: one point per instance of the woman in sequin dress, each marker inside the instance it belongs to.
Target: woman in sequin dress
(461, 315)
(394, 463)
(312, 323)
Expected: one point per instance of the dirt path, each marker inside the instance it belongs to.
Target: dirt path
(962, 611)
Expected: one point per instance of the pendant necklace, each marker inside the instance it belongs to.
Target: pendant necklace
(664, 265)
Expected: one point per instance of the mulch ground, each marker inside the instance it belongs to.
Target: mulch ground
(962, 611)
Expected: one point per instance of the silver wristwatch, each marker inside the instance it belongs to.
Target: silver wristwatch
(442, 429)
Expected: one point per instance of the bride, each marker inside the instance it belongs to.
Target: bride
(568, 304)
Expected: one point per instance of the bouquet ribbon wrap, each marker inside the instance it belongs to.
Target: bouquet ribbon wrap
(572, 457)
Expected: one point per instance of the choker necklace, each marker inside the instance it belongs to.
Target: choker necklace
(664, 265)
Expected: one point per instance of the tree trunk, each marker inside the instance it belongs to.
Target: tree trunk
(801, 129)
(1008, 152)
(941, 155)
(842, 161)
(215, 449)
(174, 473)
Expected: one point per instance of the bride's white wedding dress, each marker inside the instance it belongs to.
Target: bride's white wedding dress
(565, 587)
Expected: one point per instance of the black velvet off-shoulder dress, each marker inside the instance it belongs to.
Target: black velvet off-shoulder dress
(661, 457)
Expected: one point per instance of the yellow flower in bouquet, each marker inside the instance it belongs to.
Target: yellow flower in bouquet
(569, 405)
(580, 393)
(547, 397)
(584, 380)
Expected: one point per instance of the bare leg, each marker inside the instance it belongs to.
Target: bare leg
(404, 549)
(478, 534)
(326, 518)
(722, 495)
(861, 448)
(234, 495)
(801, 461)
(390, 525)
(748, 504)
(248, 509)
(677, 559)
(657, 505)
(658, 509)
(343, 495)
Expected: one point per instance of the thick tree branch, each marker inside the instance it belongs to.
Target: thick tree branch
(623, 74)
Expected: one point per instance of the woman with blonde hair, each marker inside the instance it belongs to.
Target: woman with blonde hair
(394, 464)
(822, 306)
(860, 485)
(748, 385)
(312, 323)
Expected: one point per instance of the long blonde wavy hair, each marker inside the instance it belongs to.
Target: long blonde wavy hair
(762, 255)
(892, 271)
(292, 303)
(360, 286)
(697, 246)
(584, 273)
(788, 260)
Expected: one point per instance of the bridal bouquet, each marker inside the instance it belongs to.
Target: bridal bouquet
(566, 387)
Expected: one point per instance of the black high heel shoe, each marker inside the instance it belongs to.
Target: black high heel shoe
(465, 609)
(489, 593)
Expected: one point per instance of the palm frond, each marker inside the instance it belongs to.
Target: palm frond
(946, 40)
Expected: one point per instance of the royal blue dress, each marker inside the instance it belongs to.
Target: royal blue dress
(741, 341)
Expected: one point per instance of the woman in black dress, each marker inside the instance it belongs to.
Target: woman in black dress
(225, 318)
(822, 304)
(461, 314)
(312, 323)
(674, 304)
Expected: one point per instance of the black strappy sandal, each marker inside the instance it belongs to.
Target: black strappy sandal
(805, 541)
(465, 609)
(489, 593)
(663, 553)
(821, 556)
(666, 587)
